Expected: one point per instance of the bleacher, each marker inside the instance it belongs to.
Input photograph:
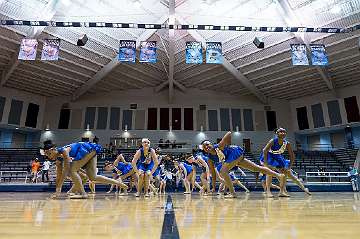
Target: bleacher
(14, 163)
(346, 157)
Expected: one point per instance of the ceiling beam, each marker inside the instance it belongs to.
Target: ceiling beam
(142, 71)
(46, 14)
(163, 44)
(190, 75)
(305, 91)
(134, 78)
(282, 75)
(180, 86)
(215, 83)
(32, 73)
(164, 84)
(171, 51)
(114, 84)
(19, 86)
(127, 82)
(245, 81)
(112, 64)
(39, 79)
(305, 78)
(229, 67)
(53, 73)
(30, 85)
(209, 77)
(291, 18)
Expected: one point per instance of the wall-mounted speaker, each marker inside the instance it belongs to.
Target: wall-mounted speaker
(258, 42)
(82, 40)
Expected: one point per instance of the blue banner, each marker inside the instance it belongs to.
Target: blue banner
(50, 51)
(148, 51)
(318, 55)
(193, 53)
(299, 55)
(214, 53)
(28, 49)
(127, 51)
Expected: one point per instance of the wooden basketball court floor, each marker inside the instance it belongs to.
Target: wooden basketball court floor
(323, 215)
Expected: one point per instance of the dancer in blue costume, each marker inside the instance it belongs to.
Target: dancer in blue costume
(189, 174)
(272, 157)
(121, 171)
(200, 159)
(155, 179)
(231, 156)
(146, 167)
(73, 157)
(165, 175)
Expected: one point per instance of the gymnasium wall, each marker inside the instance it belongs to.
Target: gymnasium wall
(323, 98)
(21, 118)
(332, 111)
(24, 99)
(218, 105)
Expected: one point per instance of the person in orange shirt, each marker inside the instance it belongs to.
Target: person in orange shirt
(35, 169)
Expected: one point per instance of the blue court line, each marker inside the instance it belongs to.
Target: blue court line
(169, 228)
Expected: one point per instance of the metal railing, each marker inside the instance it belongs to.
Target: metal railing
(11, 173)
(330, 175)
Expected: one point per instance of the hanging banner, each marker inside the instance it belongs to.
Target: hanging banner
(127, 51)
(28, 49)
(148, 51)
(299, 55)
(193, 53)
(214, 53)
(318, 55)
(50, 51)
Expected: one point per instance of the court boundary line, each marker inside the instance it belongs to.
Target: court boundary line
(169, 228)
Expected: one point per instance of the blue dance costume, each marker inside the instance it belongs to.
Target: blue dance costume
(201, 155)
(230, 154)
(124, 168)
(79, 150)
(146, 162)
(218, 167)
(187, 167)
(157, 170)
(275, 156)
